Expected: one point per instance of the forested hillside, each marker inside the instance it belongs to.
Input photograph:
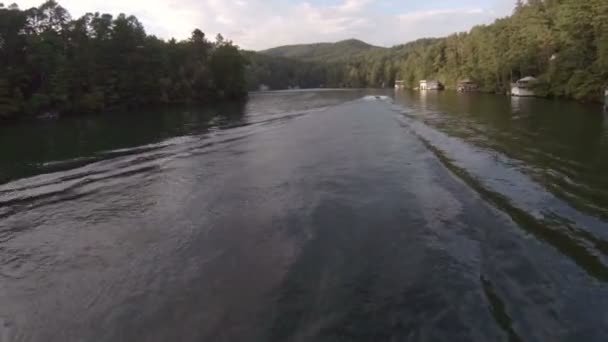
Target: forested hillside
(282, 73)
(562, 42)
(323, 52)
(51, 63)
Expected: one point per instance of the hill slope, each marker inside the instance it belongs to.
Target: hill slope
(322, 52)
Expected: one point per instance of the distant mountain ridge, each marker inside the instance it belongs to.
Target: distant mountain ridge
(323, 52)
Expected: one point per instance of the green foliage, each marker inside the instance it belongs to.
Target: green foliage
(564, 43)
(228, 70)
(8, 104)
(38, 103)
(92, 102)
(51, 63)
(322, 52)
(282, 73)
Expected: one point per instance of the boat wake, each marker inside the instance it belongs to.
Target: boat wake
(500, 181)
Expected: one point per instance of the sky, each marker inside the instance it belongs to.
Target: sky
(261, 24)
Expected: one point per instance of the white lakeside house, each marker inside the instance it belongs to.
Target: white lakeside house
(430, 85)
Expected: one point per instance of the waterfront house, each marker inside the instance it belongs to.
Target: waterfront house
(524, 87)
(399, 84)
(606, 99)
(467, 85)
(430, 85)
(263, 87)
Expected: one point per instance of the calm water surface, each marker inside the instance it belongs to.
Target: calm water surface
(309, 216)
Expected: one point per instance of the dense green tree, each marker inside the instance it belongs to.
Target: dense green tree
(51, 63)
(228, 70)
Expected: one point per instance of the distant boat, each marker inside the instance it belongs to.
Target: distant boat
(523, 87)
(376, 98)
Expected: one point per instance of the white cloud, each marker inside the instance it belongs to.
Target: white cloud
(418, 16)
(353, 5)
(258, 24)
(440, 22)
(163, 18)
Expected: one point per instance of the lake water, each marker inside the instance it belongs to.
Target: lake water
(309, 216)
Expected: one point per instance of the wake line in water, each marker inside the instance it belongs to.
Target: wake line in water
(558, 174)
(68, 184)
(495, 177)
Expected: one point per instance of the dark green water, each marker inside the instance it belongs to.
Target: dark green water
(309, 216)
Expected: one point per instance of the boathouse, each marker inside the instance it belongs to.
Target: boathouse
(399, 84)
(430, 85)
(524, 87)
(467, 85)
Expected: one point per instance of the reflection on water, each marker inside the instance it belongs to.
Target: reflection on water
(516, 103)
(561, 144)
(30, 148)
(325, 215)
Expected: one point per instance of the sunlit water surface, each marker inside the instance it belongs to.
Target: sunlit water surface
(309, 216)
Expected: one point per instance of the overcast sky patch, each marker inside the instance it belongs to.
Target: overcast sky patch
(261, 24)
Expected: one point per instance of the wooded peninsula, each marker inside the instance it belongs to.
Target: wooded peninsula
(53, 64)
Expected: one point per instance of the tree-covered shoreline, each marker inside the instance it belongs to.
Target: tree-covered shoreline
(52, 64)
(564, 43)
